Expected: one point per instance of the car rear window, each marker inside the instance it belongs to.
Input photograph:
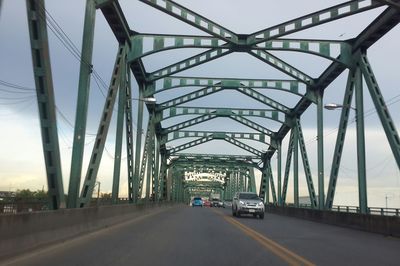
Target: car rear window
(196, 198)
(248, 196)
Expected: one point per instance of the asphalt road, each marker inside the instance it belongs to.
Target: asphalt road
(211, 236)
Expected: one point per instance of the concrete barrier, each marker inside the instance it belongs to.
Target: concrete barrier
(387, 225)
(20, 233)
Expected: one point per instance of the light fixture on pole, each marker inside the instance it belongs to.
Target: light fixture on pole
(333, 106)
(146, 100)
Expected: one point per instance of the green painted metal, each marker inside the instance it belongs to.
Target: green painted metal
(295, 166)
(130, 160)
(188, 63)
(287, 167)
(119, 134)
(196, 134)
(337, 155)
(134, 195)
(102, 131)
(306, 165)
(188, 123)
(180, 12)
(320, 144)
(45, 99)
(361, 164)
(384, 115)
(253, 125)
(311, 20)
(145, 156)
(82, 105)
(272, 183)
(279, 170)
(282, 66)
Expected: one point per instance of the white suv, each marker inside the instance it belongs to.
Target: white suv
(247, 203)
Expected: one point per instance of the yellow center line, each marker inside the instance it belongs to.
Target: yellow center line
(288, 256)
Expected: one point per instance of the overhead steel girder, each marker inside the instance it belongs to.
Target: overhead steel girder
(311, 20)
(188, 123)
(264, 99)
(223, 164)
(252, 125)
(190, 62)
(188, 97)
(224, 112)
(173, 9)
(291, 86)
(196, 134)
(211, 137)
(282, 66)
(212, 158)
(46, 101)
(148, 44)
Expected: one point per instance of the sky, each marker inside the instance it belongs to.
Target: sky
(21, 159)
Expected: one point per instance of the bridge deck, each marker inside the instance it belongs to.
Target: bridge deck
(210, 236)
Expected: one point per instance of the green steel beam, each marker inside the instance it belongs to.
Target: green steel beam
(188, 63)
(252, 125)
(167, 83)
(320, 151)
(187, 123)
(381, 108)
(101, 136)
(337, 155)
(264, 99)
(45, 99)
(186, 15)
(150, 156)
(141, 43)
(312, 20)
(361, 163)
(82, 105)
(252, 180)
(190, 144)
(196, 134)
(224, 112)
(282, 66)
(296, 167)
(243, 146)
(306, 165)
(130, 159)
(287, 167)
(145, 155)
(122, 100)
(272, 184)
(279, 170)
(188, 97)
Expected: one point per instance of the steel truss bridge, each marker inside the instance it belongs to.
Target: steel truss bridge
(162, 172)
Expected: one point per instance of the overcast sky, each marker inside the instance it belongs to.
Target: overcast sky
(21, 159)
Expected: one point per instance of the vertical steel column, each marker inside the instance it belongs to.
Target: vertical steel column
(272, 184)
(150, 156)
(337, 155)
(362, 173)
(252, 181)
(156, 171)
(119, 134)
(296, 166)
(139, 132)
(163, 175)
(279, 168)
(129, 134)
(45, 99)
(320, 140)
(82, 104)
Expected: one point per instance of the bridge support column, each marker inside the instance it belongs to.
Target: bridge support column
(134, 196)
(362, 179)
(296, 166)
(82, 104)
(45, 99)
(320, 144)
(279, 168)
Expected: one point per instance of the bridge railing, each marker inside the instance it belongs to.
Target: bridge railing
(355, 209)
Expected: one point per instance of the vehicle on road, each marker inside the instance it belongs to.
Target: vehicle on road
(247, 203)
(206, 203)
(197, 201)
(217, 203)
